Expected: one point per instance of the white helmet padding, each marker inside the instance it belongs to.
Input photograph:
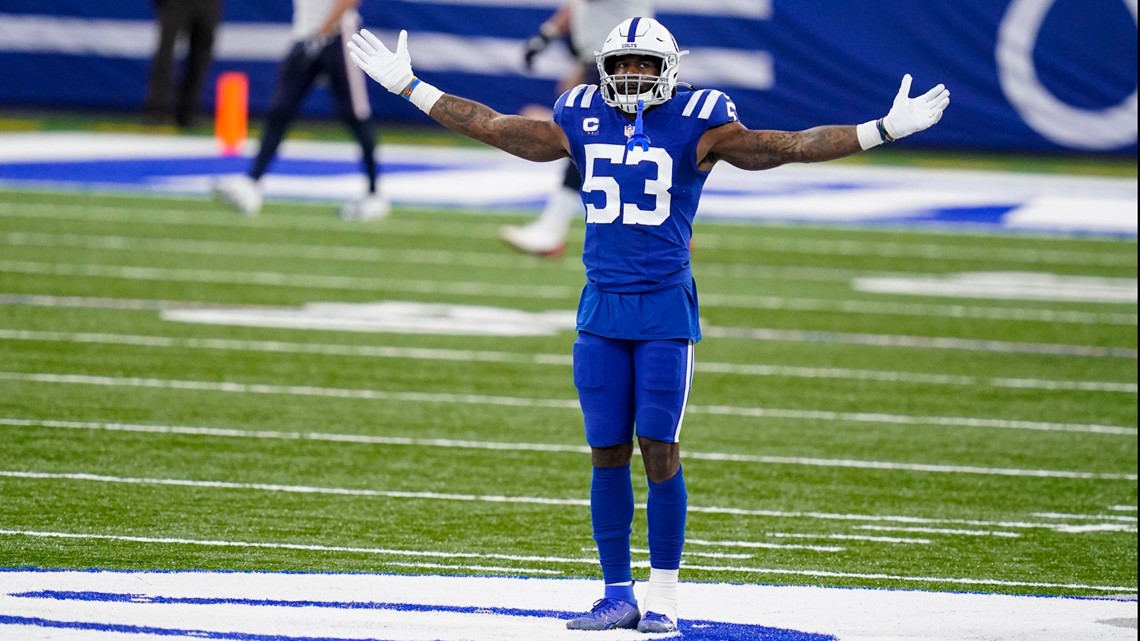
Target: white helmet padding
(642, 37)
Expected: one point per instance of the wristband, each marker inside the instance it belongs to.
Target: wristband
(421, 94)
(881, 125)
(869, 135)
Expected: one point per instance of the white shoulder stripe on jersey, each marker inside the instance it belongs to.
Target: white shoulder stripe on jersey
(583, 94)
(588, 96)
(574, 96)
(694, 100)
(710, 104)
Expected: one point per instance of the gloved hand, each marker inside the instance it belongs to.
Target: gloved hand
(911, 115)
(538, 43)
(393, 70)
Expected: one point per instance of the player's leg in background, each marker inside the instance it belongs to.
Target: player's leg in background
(350, 93)
(157, 105)
(546, 235)
(203, 24)
(295, 77)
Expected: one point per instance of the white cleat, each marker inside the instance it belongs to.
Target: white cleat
(535, 239)
(241, 192)
(371, 207)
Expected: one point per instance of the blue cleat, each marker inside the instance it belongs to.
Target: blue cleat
(608, 614)
(654, 623)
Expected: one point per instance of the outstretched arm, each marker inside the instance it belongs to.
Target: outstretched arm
(755, 149)
(537, 140)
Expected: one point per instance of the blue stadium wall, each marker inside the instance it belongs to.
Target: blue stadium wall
(1026, 75)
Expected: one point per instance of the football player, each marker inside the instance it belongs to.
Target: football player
(644, 148)
(320, 30)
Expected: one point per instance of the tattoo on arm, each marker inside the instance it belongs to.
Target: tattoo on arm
(522, 137)
(767, 149)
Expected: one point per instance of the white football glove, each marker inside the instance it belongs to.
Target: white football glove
(907, 116)
(911, 115)
(393, 70)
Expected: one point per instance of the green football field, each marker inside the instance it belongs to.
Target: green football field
(836, 435)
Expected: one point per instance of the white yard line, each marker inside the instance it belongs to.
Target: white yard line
(935, 530)
(917, 342)
(736, 333)
(552, 292)
(852, 537)
(590, 561)
(156, 212)
(372, 351)
(864, 519)
(558, 404)
(442, 258)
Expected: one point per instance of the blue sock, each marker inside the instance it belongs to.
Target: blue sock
(621, 592)
(668, 504)
(611, 511)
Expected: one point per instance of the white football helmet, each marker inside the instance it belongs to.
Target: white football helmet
(642, 37)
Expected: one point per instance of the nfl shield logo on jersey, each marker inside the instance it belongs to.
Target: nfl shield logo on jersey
(629, 131)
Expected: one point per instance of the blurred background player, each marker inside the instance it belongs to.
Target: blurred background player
(197, 20)
(320, 29)
(587, 23)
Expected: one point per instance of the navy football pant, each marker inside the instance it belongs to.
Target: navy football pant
(299, 72)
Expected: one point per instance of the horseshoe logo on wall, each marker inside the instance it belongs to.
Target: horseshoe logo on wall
(1064, 124)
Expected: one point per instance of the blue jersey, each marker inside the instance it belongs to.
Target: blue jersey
(639, 210)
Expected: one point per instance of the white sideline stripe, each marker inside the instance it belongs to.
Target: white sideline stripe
(434, 496)
(851, 537)
(466, 356)
(549, 292)
(152, 213)
(477, 399)
(933, 530)
(764, 546)
(734, 569)
(874, 308)
(737, 333)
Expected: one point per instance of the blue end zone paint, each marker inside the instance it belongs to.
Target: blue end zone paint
(692, 630)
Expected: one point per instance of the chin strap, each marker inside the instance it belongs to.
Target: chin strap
(638, 139)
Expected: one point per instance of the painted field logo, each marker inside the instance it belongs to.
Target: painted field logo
(440, 622)
(246, 606)
(260, 607)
